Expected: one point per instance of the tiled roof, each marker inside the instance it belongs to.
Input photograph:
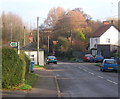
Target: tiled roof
(30, 47)
(102, 30)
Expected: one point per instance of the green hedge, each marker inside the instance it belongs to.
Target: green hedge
(14, 67)
(26, 60)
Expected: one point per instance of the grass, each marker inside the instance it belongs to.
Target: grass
(98, 64)
(38, 66)
(31, 78)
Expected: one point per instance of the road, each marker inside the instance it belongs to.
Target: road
(84, 80)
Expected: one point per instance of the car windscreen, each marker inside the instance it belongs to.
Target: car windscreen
(51, 57)
(110, 61)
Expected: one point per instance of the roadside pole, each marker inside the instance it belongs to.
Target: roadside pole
(18, 46)
(38, 41)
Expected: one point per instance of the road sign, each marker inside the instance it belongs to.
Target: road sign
(13, 44)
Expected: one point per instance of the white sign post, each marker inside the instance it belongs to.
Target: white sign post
(15, 45)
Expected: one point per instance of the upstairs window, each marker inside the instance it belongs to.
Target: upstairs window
(108, 40)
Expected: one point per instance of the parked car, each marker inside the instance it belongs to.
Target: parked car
(51, 59)
(88, 58)
(98, 58)
(118, 60)
(109, 64)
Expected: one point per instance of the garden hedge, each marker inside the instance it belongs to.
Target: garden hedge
(14, 67)
(27, 61)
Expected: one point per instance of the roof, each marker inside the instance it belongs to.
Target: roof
(30, 47)
(101, 30)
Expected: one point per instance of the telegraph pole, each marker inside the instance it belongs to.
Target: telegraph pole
(48, 42)
(11, 31)
(37, 40)
(24, 35)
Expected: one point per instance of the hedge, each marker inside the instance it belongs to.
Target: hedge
(26, 60)
(14, 67)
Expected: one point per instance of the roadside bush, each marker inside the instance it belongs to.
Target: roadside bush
(12, 68)
(26, 59)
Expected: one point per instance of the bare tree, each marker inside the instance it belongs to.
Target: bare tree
(12, 28)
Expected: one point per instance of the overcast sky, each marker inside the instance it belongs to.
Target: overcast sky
(30, 9)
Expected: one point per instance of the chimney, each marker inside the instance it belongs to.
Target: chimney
(106, 22)
(112, 22)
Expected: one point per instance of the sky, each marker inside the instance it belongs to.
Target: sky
(28, 10)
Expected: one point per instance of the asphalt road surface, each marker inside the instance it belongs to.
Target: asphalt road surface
(84, 80)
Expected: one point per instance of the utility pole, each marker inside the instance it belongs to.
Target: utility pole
(37, 40)
(48, 42)
(11, 31)
(24, 35)
(71, 40)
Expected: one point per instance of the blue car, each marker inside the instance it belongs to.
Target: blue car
(51, 59)
(109, 64)
(98, 58)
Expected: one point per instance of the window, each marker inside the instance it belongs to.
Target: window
(108, 40)
(96, 40)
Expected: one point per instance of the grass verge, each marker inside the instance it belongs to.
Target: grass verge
(38, 66)
(98, 64)
(30, 79)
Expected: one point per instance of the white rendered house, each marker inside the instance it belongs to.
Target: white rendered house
(105, 35)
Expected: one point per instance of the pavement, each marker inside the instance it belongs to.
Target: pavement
(45, 86)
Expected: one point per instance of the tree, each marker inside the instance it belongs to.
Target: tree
(53, 16)
(12, 28)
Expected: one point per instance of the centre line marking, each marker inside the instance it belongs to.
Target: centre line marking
(109, 80)
(100, 76)
(84, 69)
(115, 83)
(92, 73)
(112, 81)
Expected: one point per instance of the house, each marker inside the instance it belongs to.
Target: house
(105, 40)
(31, 51)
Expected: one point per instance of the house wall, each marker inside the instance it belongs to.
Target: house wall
(33, 56)
(94, 42)
(110, 37)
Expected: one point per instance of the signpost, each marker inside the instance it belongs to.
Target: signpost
(15, 45)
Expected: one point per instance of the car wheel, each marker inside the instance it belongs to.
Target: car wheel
(55, 62)
(103, 70)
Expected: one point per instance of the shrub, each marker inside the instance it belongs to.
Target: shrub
(12, 68)
(26, 59)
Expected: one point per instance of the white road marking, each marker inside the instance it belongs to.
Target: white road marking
(115, 83)
(112, 81)
(100, 77)
(92, 73)
(84, 69)
(57, 75)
